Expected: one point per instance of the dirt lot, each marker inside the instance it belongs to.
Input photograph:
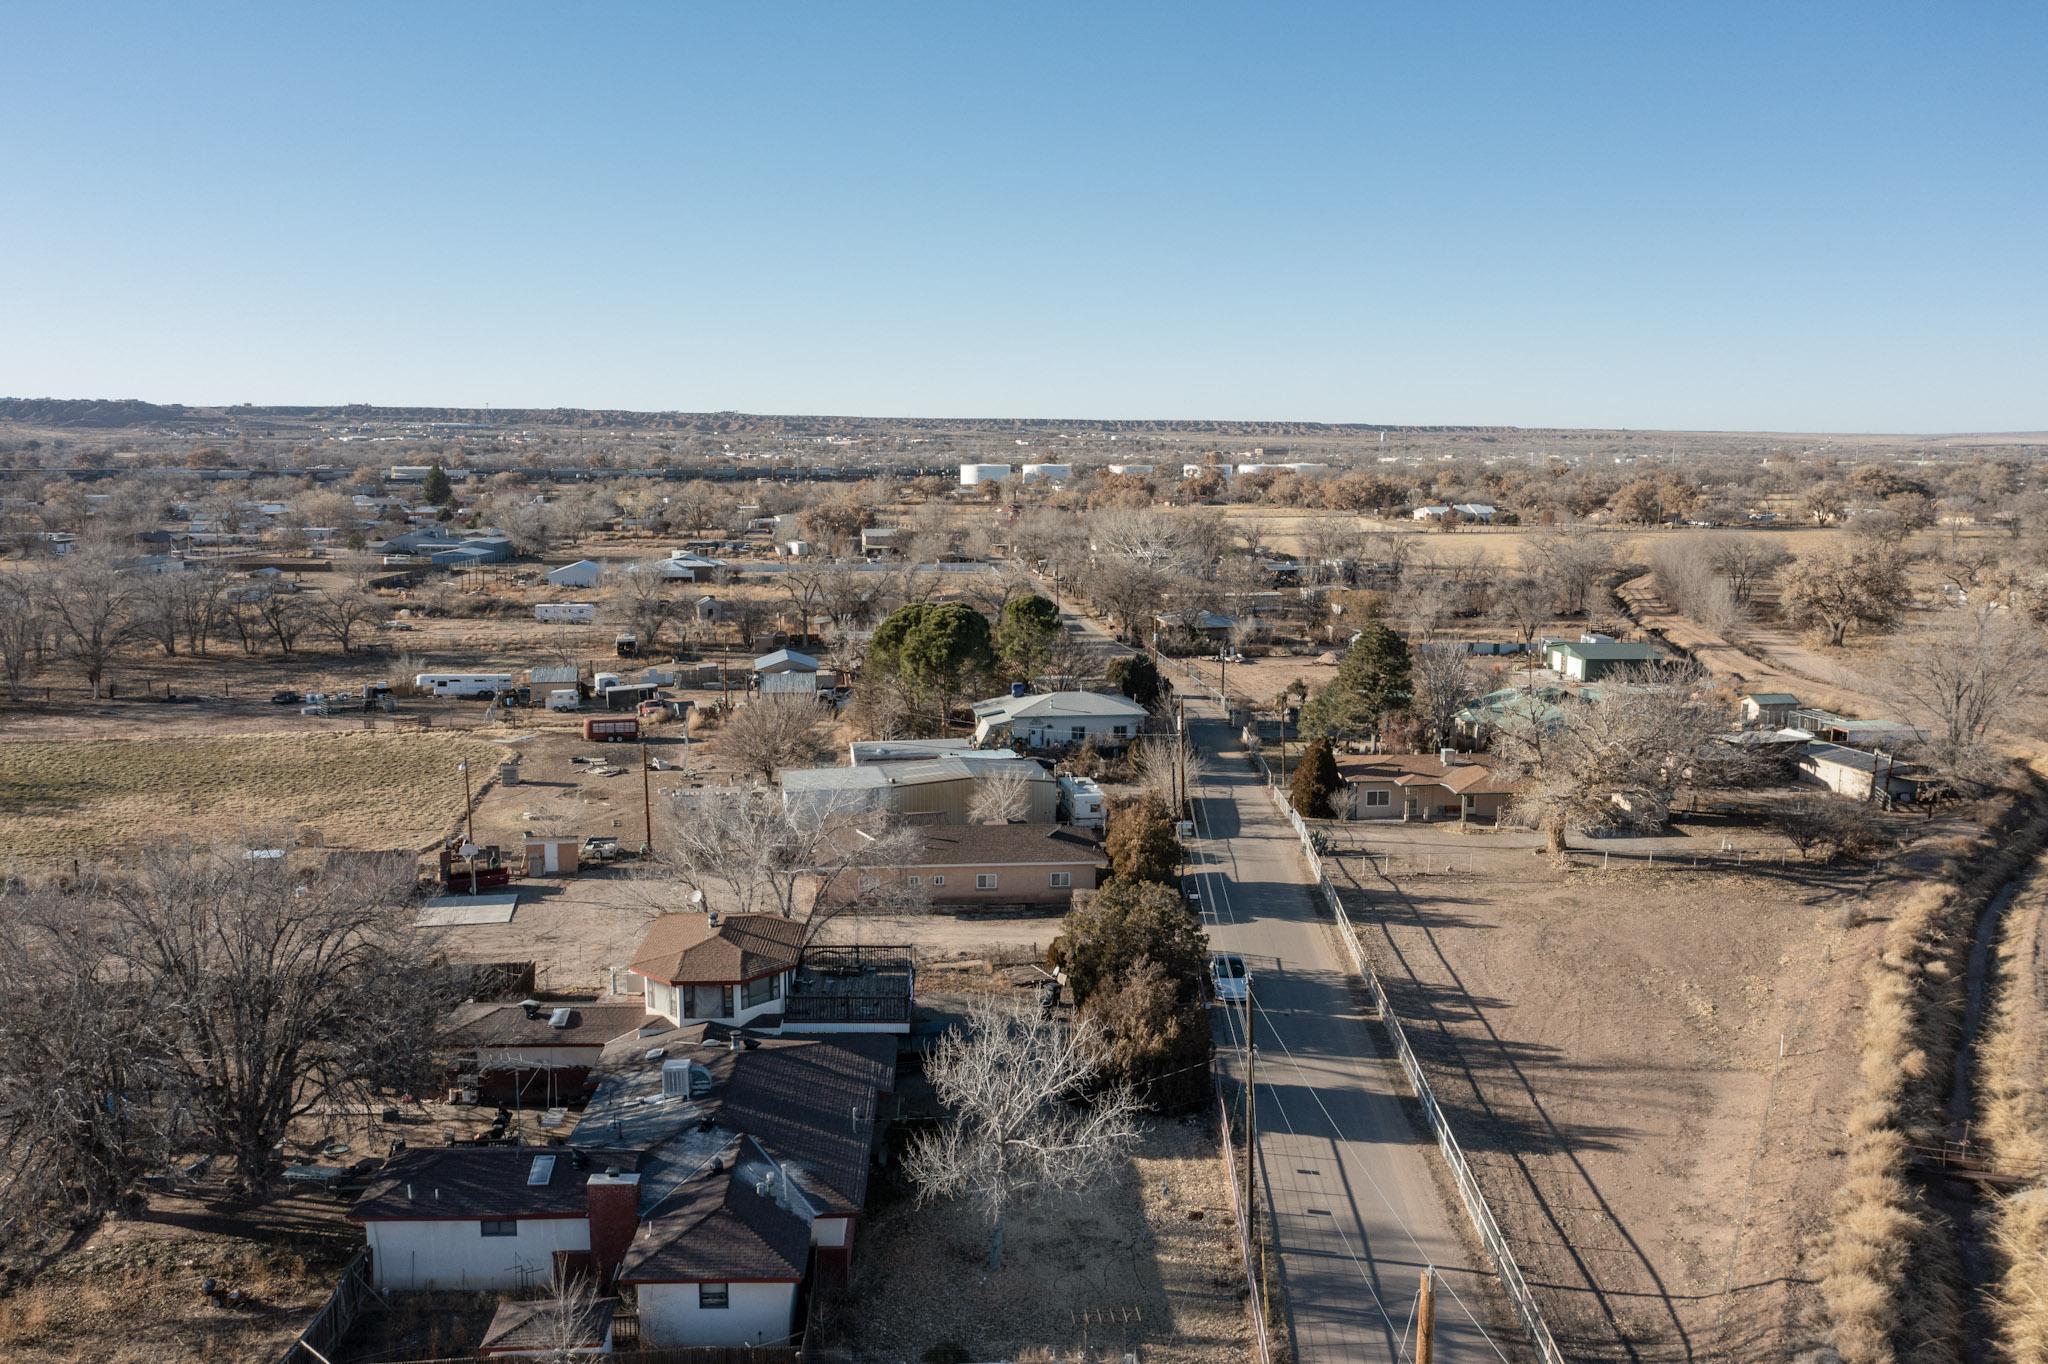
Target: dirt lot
(131, 1293)
(1151, 1253)
(64, 797)
(1649, 1069)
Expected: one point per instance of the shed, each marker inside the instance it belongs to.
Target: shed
(582, 573)
(1772, 709)
(547, 853)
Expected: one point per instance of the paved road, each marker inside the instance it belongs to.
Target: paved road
(1357, 1211)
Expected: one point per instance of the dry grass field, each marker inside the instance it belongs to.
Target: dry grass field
(1650, 1071)
(67, 797)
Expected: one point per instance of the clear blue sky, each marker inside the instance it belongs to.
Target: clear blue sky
(1792, 216)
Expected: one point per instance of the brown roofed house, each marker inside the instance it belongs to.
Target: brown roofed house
(720, 968)
(985, 865)
(1425, 786)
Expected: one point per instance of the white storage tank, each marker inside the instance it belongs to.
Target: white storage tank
(1051, 473)
(971, 474)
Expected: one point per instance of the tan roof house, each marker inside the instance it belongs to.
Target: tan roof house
(1425, 786)
(987, 865)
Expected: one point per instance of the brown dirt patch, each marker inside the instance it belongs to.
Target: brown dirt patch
(1650, 1071)
(1133, 1257)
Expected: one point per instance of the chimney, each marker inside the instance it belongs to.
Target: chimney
(612, 1202)
(712, 918)
(736, 1041)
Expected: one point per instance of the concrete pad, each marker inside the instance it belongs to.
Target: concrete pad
(453, 911)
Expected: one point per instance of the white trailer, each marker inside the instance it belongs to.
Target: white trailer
(463, 684)
(564, 698)
(565, 612)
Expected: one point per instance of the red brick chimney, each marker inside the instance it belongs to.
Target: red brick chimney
(613, 1201)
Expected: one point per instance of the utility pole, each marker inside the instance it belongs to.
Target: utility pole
(468, 806)
(646, 803)
(1223, 680)
(1251, 1118)
(1425, 1319)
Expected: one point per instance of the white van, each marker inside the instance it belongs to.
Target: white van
(463, 684)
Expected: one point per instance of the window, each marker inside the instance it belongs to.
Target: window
(1080, 733)
(870, 884)
(1379, 798)
(917, 880)
(762, 990)
(1120, 731)
(1062, 878)
(499, 1228)
(984, 880)
(938, 880)
(711, 1295)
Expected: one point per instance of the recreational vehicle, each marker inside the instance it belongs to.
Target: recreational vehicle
(463, 684)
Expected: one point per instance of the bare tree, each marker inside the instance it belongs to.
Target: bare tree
(24, 628)
(1441, 678)
(1748, 562)
(1570, 567)
(273, 990)
(1831, 590)
(83, 1113)
(1021, 1122)
(1972, 673)
(285, 614)
(640, 601)
(771, 732)
(342, 615)
(88, 600)
(569, 1322)
(1619, 760)
(750, 855)
(1000, 797)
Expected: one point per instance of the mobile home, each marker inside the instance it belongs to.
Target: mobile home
(565, 612)
(463, 684)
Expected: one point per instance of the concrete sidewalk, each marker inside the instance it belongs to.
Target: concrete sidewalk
(1355, 1204)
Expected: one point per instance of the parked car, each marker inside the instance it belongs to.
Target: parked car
(1230, 978)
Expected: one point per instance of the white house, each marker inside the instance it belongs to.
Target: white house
(721, 1262)
(582, 573)
(1060, 719)
(1467, 511)
(690, 568)
(472, 1218)
(731, 969)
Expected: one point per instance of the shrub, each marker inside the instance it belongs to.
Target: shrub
(1315, 781)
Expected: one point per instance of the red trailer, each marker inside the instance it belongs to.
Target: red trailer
(611, 729)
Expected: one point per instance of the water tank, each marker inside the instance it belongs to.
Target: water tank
(971, 474)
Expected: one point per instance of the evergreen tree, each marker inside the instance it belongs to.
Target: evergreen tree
(1137, 677)
(1025, 633)
(1141, 843)
(1315, 781)
(437, 489)
(1372, 681)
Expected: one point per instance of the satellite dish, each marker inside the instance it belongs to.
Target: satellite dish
(470, 850)
(696, 897)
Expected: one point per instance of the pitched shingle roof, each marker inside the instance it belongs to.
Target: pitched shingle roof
(1469, 776)
(718, 1229)
(445, 1183)
(535, 1327)
(973, 845)
(687, 949)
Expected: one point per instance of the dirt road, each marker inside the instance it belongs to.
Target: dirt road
(1357, 1210)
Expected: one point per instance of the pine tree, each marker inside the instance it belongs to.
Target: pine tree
(1315, 781)
(437, 489)
(1371, 682)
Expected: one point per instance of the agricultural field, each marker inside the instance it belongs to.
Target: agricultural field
(71, 797)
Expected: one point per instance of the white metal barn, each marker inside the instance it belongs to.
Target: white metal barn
(582, 573)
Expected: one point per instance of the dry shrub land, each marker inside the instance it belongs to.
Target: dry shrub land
(1649, 1071)
(65, 798)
